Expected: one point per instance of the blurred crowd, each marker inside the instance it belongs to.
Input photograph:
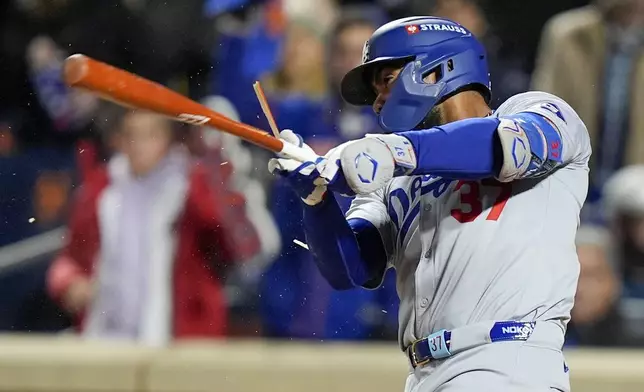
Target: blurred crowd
(173, 231)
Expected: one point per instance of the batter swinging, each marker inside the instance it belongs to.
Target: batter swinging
(476, 210)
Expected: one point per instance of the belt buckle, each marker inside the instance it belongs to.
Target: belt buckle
(414, 358)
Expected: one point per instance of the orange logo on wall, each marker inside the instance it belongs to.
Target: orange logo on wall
(51, 194)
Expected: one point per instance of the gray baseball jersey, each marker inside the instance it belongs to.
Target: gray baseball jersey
(468, 251)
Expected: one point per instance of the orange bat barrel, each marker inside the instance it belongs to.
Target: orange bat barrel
(133, 91)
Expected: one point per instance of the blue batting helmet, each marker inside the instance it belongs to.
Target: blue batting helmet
(426, 44)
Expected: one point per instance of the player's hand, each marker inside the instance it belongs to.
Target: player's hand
(303, 177)
(365, 165)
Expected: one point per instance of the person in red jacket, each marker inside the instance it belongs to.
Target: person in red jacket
(149, 241)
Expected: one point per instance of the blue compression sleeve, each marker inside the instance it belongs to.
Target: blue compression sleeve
(348, 253)
(465, 149)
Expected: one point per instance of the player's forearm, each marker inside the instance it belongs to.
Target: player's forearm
(465, 149)
(336, 247)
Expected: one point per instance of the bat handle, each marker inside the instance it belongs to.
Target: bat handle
(298, 153)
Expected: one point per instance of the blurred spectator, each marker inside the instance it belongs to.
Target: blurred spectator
(254, 37)
(507, 73)
(163, 41)
(33, 34)
(624, 203)
(338, 121)
(236, 165)
(297, 88)
(592, 58)
(595, 318)
(302, 70)
(250, 35)
(519, 23)
(250, 38)
(150, 240)
(68, 109)
(296, 300)
(47, 119)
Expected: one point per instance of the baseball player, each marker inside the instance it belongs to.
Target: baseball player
(476, 210)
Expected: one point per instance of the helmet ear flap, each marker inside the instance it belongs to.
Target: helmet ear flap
(410, 99)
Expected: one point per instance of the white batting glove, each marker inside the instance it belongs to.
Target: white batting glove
(365, 165)
(303, 177)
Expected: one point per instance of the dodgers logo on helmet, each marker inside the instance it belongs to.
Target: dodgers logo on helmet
(365, 52)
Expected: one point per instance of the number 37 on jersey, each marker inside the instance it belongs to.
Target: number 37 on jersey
(476, 197)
